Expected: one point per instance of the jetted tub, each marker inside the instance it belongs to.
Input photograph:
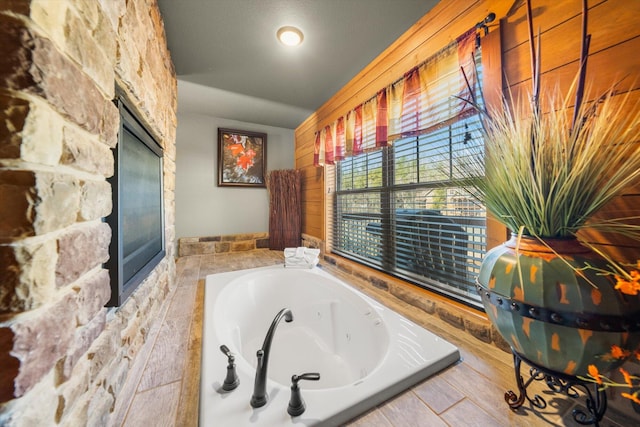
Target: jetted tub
(364, 352)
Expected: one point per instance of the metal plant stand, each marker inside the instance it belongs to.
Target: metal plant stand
(596, 400)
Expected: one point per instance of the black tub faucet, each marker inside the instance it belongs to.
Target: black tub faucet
(259, 397)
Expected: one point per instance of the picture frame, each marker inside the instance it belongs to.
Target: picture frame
(242, 158)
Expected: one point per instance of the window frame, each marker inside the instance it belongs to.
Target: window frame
(388, 217)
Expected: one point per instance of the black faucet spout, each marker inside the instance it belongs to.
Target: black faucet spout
(260, 397)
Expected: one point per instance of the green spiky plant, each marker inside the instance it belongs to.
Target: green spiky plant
(547, 174)
(549, 171)
(548, 178)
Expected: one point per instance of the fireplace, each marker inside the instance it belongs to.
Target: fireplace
(137, 219)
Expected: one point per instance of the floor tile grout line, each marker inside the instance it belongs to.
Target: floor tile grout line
(159, 386)
(152, 343)
(139, 374)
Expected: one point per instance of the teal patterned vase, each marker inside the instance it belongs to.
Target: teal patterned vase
(553, 311)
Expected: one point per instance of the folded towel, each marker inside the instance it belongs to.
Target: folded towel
(301, 264)
(301, 257)
(301, 252)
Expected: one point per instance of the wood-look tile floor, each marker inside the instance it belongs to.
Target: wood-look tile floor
(162, 388)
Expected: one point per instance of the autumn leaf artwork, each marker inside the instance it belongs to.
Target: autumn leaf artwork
(241, 158)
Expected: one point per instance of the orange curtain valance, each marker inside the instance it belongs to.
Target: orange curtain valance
(426, 97)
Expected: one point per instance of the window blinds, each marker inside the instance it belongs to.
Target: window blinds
(404, 208)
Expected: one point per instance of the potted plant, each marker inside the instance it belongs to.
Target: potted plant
(552, 162)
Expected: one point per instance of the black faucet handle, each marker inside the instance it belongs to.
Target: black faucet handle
(297, 405)
(225, 350)
(310, 376)
(231, 381)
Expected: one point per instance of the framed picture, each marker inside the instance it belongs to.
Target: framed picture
(242, 158)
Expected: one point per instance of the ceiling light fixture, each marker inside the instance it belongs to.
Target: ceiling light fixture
(290, 36)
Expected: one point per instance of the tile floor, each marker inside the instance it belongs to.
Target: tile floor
(164, 384)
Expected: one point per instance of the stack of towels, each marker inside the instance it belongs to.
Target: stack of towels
(301, 257)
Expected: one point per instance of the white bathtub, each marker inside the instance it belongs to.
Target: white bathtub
(365, 353)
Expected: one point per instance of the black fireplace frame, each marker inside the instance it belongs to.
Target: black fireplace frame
(121, 286)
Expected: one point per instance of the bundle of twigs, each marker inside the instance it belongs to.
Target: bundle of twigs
(285, 208)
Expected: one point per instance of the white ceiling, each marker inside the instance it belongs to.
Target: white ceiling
(230, 65)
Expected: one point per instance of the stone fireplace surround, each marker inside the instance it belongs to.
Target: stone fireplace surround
(64, 357)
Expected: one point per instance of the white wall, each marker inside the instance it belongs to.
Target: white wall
(203, 208)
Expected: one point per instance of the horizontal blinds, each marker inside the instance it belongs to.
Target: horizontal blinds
(404, 209)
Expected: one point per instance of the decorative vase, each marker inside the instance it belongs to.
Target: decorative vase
(552, 310)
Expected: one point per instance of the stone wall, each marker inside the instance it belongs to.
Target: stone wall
(222, 244)
(233, 243)
(64, 357)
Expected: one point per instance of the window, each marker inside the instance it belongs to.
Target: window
(404, 209)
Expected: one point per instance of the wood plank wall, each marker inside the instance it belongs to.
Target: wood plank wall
(615, 29)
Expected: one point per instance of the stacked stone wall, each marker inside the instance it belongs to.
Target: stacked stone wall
(64, 357)
(222, 244)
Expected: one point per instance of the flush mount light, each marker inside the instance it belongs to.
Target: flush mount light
(290, 36)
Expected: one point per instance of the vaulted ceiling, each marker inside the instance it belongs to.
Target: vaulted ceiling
(230, 64)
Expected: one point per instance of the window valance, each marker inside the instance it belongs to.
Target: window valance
(428, 96)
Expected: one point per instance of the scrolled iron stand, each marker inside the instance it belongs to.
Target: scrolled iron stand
(568, 385)
(596, 399)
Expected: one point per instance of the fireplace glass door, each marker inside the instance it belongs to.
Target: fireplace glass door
(137, 242)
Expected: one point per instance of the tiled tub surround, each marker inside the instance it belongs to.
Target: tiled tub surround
(64, 358)
(164, 388)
